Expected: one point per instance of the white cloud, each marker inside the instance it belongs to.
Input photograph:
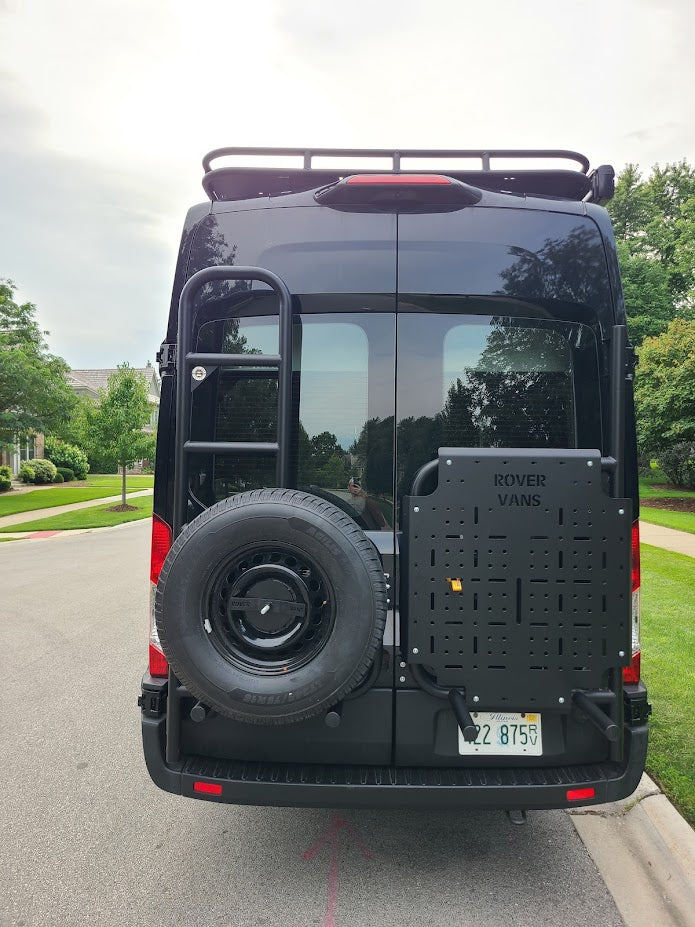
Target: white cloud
(108, 106)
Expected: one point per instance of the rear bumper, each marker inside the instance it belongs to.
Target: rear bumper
(292, 784)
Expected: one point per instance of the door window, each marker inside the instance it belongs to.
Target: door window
(342, 407)
(488, 381)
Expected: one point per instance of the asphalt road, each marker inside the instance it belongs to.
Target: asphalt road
(86, 838)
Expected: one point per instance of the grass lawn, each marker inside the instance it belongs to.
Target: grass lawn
(681, 521)
(668, 661)
(94, 487)
(648, 490)
(96, 516)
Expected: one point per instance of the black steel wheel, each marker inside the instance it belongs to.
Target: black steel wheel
(271, 609)
(271, 606)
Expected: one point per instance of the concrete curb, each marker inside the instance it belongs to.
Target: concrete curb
(645, 853)
(65, 533)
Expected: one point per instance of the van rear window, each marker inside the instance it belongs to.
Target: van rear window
(485, 381)
(444, 379)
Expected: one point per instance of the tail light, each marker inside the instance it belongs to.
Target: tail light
(631, 673)
(400, 180)
(161, 544)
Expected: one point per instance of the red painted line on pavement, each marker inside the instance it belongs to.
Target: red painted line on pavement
(331, 837)
(43, 534)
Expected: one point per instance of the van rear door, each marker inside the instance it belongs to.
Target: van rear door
(515, 550)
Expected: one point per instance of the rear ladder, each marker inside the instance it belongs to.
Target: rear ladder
(187, 360)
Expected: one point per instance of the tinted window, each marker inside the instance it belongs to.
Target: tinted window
(493, 382)
(343, 400)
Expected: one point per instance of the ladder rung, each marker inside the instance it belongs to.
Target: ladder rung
(235, 360)
(263, 448)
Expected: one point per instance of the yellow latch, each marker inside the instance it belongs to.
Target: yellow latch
(456, 584)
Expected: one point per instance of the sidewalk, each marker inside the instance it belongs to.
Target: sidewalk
(20, 517)
(679, 541)
(645, 852)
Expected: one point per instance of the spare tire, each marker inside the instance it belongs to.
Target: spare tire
(271, 606)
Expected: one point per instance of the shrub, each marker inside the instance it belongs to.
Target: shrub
(678, 463)
(58, 478)
(5, 479)
(67, 474)
(67, 456)
(44, 470)
(26, 473)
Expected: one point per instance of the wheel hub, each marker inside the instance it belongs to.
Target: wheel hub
(268, 606)
(270, 609)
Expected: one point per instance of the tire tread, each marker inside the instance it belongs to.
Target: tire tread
(302, 501)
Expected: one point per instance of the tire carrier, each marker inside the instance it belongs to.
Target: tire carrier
(477, 579)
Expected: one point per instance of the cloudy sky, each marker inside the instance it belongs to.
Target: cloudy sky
(107, 106)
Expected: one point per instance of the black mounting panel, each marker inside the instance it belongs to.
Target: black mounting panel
(543, 556)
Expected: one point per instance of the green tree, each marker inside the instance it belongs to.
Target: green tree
(654, 223)
(374, 452)
(335, 473)
(119, 419)
(77, 429)
(418, 441)
(324, 446)
(665, 389)
(34, 392)
(649, 301)
(670, 232)
(632, 207)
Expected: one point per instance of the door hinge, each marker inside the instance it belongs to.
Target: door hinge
(166, 358)
(153, 702)
(632, 360)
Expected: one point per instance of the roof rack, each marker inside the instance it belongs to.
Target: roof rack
(249, 182)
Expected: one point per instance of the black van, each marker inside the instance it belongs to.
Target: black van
(395, 549)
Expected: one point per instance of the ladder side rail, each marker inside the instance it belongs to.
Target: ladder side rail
(183, 386)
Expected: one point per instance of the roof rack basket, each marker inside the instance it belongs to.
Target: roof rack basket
(234, 182)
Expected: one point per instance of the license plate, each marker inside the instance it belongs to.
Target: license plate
(504, 733)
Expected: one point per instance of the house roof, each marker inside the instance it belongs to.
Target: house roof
(91, 381)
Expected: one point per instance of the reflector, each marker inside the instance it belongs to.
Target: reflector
(635, 556)
(579, 794)
(158, 662)
(631, 673)
(210, 788)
